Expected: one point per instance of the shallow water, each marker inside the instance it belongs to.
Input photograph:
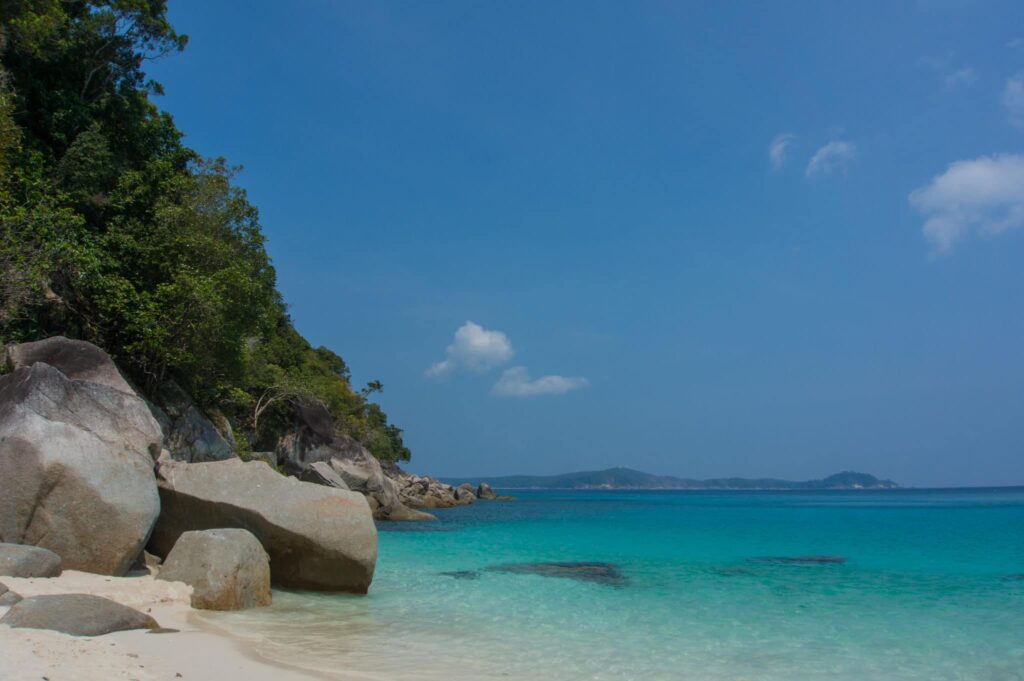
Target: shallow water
(932, 589)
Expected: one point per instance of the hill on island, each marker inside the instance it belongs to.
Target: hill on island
(627, 478)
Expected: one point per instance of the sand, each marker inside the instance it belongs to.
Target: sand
(197, 652)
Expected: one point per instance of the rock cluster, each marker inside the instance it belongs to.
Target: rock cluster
(418, 491)
(90, 472)
(318, 537)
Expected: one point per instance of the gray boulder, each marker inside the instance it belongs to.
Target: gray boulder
(76, 614)
(465, 493)
(484, 491)
(189, 435)
(319, 538)
(7, 597)
(227, 569)
(321, 473)
(76, 468)
(18, 560)
(78, 360)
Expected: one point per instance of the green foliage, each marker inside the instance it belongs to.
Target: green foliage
(113, 231)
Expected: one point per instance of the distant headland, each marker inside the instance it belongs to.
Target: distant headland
(627, 478)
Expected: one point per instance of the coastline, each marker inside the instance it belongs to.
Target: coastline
(198, 650)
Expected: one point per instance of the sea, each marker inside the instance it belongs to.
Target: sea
(895, 585)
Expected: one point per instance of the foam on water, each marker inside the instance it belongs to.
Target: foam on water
(927, 592)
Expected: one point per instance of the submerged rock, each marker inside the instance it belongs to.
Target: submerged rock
(18, 560)
(318, 538)
(802, 560)
(607, 574)
(76, 614)
(226, 568)
(76, 465)
(462, 574)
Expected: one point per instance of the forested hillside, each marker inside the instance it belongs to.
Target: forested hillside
(115, 232)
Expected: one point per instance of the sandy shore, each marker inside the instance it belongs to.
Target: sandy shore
(196, 651)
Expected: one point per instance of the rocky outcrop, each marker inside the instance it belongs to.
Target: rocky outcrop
(313, 441)
(18, 560)
(418, 491)
(318, 537)
(78, 360)
(484, 491)
(76, 458)
(226, 568)
(189, 435)
(76, 614)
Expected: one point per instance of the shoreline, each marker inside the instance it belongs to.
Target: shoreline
(199, 650)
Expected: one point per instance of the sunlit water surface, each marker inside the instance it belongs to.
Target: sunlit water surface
(933, 589)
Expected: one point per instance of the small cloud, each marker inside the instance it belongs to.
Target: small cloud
(1015, 43)
(833, 157)
(779, 148)
(516, 382)
(962, 77)
(985, 194)
(1013, 98)
(474, 349)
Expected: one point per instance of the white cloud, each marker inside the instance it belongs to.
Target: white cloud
(1015, 43)
(832, 157)
(778, 149)
(1013, 98)
(985, 194)
(962, 77)
(516, 382)
(474, 349)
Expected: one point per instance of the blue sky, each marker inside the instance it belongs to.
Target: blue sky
(704, 239)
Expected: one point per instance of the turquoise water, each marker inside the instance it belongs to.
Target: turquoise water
(933, 589)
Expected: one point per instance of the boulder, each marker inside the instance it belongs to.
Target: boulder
(18, 560)
(78, 360)
(7, 597)
(321, 473)
(189, 435)
(484, 491)
(318, 537)
(465, 493)
(76, 614)
(76, 468)
(421, 491)
(226, 568)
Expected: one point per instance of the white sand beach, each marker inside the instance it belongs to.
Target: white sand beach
(196, 652)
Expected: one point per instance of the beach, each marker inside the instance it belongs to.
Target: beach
(197, 651)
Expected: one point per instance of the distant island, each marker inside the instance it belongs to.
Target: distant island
(627, 478)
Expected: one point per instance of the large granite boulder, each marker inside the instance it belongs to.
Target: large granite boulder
(76, 614)
(484, 491)
(76, 467)
(318, 537)
(226, 568)
(189, 434)
(19, 560)
(466, 493)
(76, 359)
